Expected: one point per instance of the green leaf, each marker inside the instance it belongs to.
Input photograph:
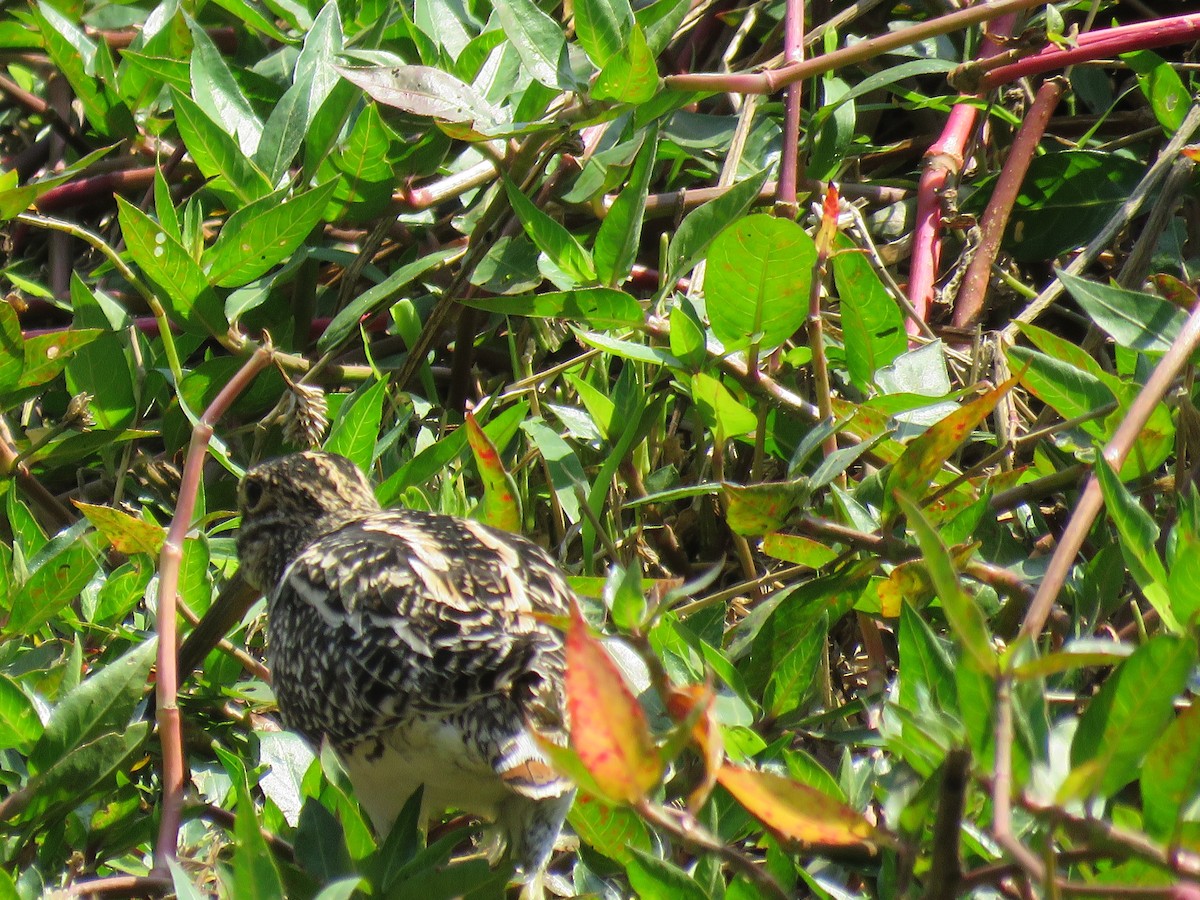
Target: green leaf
(721, 411)
(365, 188)
(354, 432)
(1065, 199)
(216, 91)
(182, 286)
(314, 78)
(321, 843)
(757, 282)
(621, 231)
(1069, 391)
(538, 40)
(656, 879)
(56, 577)
(1170, 776)
(630, 76)
(48, 354)
(254, 871)
(71, 780)
(962, 612)
(103, 703)
(1138, 534)
(559, 245)
(597, 307)
(263, 234)
(1162, 86)
(216, 154)
(603, 27)
(19, 722)
(345, 323)
(1133, 707)
(872, 324)
(613, 831)
(74, 54)
(1135, 320)
(566, 472)
(687, 335)
(16, 199)
(102, 367)
(926, 670)
(12, 349)
(703, 223)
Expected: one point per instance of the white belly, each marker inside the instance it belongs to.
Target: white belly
(430, 753)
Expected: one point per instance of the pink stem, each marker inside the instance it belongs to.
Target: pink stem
(1098, 44)
(968, 305)
(943, 159)
(167, 684)
(793, 52)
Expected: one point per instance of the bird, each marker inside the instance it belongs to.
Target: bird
(421, 646)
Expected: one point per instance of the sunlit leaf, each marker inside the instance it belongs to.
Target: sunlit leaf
(608, 726)
(124, 532)
(501, 508)
(795, 811)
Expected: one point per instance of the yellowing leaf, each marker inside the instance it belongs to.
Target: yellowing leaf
(795, 548)
(608, 727)
(126, 533)
(795, 811)
(925, 455)
(762, 508)
(500, 506)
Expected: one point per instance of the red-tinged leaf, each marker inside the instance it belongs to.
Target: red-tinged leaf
(796, 812)
(694, 702)
(608, 727)
(921, 460)
(762, 508)
(126, 533)
(1171, 288)
(795, 548)
(829, 223)
(500, 506)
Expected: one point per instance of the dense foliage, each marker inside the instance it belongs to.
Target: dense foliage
(864, 631)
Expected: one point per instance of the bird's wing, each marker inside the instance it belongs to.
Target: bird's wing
(441, 612)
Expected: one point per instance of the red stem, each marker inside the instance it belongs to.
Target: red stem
(943, 160)
(167, 683)
(969, 304)
(793, 52)
(1099, 44)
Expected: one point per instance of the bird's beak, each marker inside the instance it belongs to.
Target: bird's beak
(227, 610)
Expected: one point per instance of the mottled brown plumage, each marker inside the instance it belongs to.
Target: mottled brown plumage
(413, 642)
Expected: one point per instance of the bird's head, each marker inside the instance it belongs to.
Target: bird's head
(288, 502)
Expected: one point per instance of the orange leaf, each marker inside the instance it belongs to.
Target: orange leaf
(829, 222)
(500, 507)
(684, 702)
(126, 533)
(608, 727)
(795, 811)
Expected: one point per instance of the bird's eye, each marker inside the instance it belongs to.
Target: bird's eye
(252, 495)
